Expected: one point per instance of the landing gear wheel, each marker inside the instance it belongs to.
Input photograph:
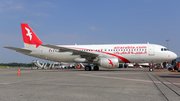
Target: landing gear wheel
(151, 69)
(96, 68)
(88, 68)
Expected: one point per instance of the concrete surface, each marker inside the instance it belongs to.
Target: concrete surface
(131, 84)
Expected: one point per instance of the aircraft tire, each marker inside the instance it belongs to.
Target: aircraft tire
(151, 69)
(96, 68)
(88, 68)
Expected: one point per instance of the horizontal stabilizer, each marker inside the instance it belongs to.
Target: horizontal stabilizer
(21, 50)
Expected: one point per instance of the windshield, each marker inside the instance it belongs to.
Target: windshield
(164, 49)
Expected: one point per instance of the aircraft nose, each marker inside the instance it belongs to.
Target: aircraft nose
(173, 55)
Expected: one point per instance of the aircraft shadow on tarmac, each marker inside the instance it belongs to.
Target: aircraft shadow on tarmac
(108, 70)
(58, 70)
(170, 76)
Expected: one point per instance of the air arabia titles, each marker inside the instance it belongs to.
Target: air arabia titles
(131, 50)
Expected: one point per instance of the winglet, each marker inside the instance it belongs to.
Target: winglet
(29, 37)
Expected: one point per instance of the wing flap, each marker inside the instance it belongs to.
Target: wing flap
(83, 54)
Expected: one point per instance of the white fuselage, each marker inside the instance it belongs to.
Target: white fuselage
(127, 53)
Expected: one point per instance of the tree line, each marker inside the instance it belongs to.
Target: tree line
(16, 64)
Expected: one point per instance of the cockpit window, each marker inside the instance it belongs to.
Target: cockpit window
(164, 49)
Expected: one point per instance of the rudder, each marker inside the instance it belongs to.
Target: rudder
(29, 37)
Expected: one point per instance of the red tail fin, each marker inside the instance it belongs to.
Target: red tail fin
(29, 37)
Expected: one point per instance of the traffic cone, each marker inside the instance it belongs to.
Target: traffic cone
(19, 72)
(173, 70)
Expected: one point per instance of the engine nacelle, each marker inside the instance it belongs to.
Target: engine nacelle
(110, 63)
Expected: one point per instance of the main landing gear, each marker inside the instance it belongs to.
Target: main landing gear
(88, 68)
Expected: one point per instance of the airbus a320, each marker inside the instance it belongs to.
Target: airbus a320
(106, 55)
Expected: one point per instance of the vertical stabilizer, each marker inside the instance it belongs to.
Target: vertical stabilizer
(29, 37)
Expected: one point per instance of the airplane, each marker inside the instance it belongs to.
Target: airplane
(106, 55)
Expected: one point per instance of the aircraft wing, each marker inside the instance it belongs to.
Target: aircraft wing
(21, 50)
(83, 54)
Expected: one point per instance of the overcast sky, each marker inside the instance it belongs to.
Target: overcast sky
(61, 22)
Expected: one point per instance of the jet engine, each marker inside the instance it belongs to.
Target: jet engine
(110, 63)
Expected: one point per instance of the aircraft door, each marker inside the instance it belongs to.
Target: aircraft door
(151, 50)
(42, 53)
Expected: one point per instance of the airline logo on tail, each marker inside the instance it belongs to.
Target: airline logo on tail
(28, 33)
(29, 37)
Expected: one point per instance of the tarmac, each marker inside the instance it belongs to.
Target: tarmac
(126, 84)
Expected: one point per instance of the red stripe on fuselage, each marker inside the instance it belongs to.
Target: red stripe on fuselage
(120, 57)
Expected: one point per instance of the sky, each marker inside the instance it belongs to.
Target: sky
(66, 22)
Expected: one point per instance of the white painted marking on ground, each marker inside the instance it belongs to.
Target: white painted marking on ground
(126, 79)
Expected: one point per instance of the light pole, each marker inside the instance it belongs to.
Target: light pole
(168, 43)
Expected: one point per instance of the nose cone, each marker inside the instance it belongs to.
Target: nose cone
(173, 55)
